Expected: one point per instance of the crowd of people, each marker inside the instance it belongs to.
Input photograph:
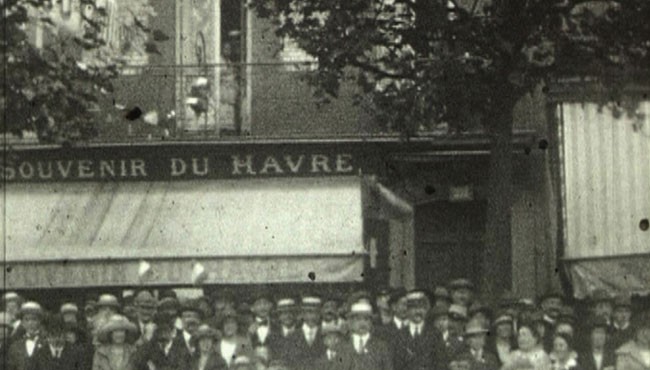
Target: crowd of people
(442, 329)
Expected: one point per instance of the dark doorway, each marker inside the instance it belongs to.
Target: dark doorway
(449, 242)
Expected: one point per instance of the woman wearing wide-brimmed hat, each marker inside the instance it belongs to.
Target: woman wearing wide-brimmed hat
(206, 356)
(116, 349)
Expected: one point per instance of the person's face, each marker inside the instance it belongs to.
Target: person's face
(230, 327)
(560, 347)
(145, 312)
(71, 337)
(331, 340)
(525, 339)
(360, 324)
(481, 317)
(287, 318)
(190, 321)
(476, 341)
(462, 296)
(551, 306)
(504, 330)
(603, 309)
(441, 323)
(311, 317)
(106, 310)
(622, 315)
(262, 308)
(417, 313)
(69, 317)
(206, 344)
(598, 338)
(329, 312)
(164, 334)
(118, 336)
(400, 309)
(12, 308)
(31, 323)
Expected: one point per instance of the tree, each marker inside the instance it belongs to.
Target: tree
(59, 57)
(464, 63)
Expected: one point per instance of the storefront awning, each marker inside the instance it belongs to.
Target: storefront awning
(129, 233)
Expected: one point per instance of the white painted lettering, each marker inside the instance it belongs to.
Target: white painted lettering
(178, 167)
(42, 167)
(196, 168)
(85, 172)
(64, 171)
(123, 169)
(137, 166)
(26, 170)
(271, 163)
(8, 173)
(106, 167)
(343, 163)
(293, 165)
(238, 164)
(320, 161)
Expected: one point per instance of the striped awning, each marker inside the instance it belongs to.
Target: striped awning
(162, 233)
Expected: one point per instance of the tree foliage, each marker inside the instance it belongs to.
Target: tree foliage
(57, 62)
(433, 61)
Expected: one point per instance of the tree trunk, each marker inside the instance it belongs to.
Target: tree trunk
(497, 256)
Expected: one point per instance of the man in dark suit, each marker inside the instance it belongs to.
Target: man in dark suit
(21, 353)
(475, 337)
(363, 350)
(597, 355)
(305, 345)
(286, 312)
(56, 353)
(182, 347)
(157, 352)
(389, 332)
(420, 346)
(5, 332)
(261, 332)
(622, 330)
(332, 359)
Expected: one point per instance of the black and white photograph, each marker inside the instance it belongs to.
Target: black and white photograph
(325, 185)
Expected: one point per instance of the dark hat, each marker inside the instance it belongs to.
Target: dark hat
(596, 322)
(167, 293)
(623, 300)
(567, 315)
(438, 311)
(460, 284)
(191, 305)
(508, 298)
(601, 295)
(145, 299)
(479, 307)
(168, 303)
(440, 292)
(396, 295)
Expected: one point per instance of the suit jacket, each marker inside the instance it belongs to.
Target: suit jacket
(179, 353)
(299, 354)
(154, 353)
(17, 357)
(629, 357)
(324, 363)
(376, 356)
(215, 362)
(617, 337)
(280, 346)
(587, 362)
(71, 358)
(389, 333)
(424, 352)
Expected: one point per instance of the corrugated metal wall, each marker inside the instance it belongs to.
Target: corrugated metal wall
(606, 180)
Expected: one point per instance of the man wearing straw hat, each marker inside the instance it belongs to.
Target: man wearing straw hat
(475, 336)
(421, 346)
(306, 343)
(56, 353)
(280, 346)
(363, 350)
(21, 353)
(12, 302)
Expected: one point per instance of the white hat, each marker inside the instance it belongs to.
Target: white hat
(361, 307)
(31, 308)
(69, 308)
